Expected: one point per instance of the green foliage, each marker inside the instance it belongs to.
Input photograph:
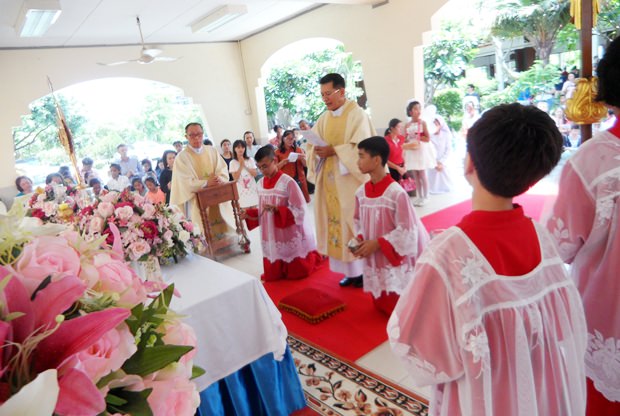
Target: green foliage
(539, 21)
(448, 104)
(568, 37)
(608, 24)
(540, 80)
(446, 59)
(39, 132)
(292, 89)
(119, 401)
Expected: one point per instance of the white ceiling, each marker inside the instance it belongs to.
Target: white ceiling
(113, 22)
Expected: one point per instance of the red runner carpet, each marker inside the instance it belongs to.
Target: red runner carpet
(360, 328)
(351, 333)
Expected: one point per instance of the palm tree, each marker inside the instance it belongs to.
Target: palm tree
(539, 21)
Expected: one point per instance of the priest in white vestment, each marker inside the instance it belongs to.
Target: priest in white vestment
(196, 167)
(333, 169)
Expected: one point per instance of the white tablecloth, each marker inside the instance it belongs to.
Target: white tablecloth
(235, 320)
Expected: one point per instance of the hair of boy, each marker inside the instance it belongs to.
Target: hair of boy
(115, 166)
(87, 161)
(286, 133)
(150, 179)
(241, 143)
(376, 146)
(336, 79)
(410, 107)
(393, 123)
(193, 124)
(94, 181)
(207, 142)
(608, 72)
(177, 142)
(265, 152)
(512, 147)
(164, 157)
(121, 145)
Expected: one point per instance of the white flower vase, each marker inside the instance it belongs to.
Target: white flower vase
(148, 270)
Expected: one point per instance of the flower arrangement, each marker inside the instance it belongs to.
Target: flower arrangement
(76, 325)
(54, 203)
(146, 229)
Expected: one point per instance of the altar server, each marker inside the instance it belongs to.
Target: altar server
(491, 319)
(289, 247)
(389, 234)
(586, 225)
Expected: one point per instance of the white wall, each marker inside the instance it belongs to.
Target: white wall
(383, 39)
(211, 74)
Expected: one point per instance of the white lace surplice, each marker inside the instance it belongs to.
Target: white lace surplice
(585, 222)
(392, 217)
(491, 344)
(288, 243)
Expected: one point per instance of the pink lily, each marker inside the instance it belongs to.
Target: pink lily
(47, 344)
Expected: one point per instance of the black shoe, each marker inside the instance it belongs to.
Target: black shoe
(347, 281)
(355, 281)
(359, 282)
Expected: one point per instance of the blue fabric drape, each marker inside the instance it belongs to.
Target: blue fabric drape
(265, 387)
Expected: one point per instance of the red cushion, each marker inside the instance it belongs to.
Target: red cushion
(311, 305)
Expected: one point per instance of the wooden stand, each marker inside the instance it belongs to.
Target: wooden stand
(215, 195)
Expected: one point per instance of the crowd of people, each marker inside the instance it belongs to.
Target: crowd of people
(485, 312)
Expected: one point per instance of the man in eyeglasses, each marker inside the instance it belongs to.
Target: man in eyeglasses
(333, 169)
(195, 167)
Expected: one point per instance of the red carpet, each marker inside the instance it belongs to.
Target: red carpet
(533, 205)
(351, 333)
(360, 328)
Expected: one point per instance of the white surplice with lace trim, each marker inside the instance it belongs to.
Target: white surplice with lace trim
(586, 224)
(288, 243)
(392, 217)
(491, 344)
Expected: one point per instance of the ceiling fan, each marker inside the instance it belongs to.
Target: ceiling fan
(147, 55)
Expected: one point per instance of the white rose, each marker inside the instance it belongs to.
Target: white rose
(124, 213)
(184, 236)
(149, 211)
(105, 209)
(49, 208)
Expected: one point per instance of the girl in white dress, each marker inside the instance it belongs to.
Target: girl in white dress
(439, 177)
(419, 152)
(243, 170)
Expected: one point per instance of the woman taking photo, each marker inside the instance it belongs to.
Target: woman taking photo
(165, 179)
(292, 160)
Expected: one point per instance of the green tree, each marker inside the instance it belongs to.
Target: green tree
(539, 21)
(291, 90)
(446, 59)
(163, 117)
(608, 24)
(449, 104)
(39, 132)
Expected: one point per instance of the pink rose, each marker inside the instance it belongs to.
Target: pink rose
(124, 213)
(115, 276)
(189, 226)
(107, 354)
(149, 211)
(168, 237)
(44, 256)
(105, 209)
(139, 248)
(179, 333)
(96, 225)
(173, 396)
